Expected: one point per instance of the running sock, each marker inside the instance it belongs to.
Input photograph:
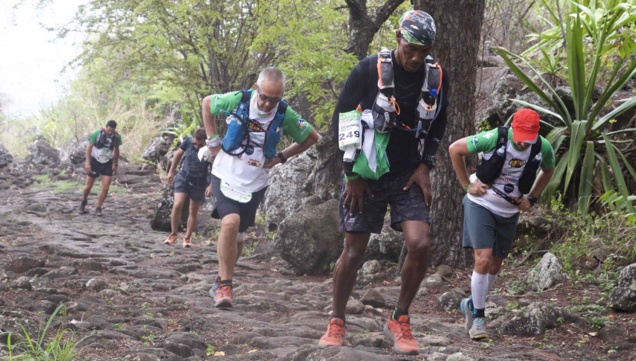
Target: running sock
(491, 281)
(398, 312)
(479, 290)
(479, 312)
(226, 283)
(342, 317)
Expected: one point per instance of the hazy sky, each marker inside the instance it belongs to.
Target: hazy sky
(31, 58)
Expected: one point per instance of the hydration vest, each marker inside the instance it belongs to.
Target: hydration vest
(385, 108)
(102, 140)
(238, 133)
(489, 169)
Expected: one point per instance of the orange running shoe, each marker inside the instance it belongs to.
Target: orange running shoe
(187, 242)
(171, 239)
(335, 333)
(400, 332)
(222, 295)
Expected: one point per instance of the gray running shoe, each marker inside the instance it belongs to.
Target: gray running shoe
(478, 330)
(467, 308)
(98, 211)
(82, 208)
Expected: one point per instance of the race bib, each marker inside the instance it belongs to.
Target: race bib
(235, 194)
(349, 129)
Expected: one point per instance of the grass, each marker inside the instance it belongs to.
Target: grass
(60, 346)
(44, 181)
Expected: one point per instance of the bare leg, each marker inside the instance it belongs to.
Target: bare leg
(227, 249)
(346, 270)
(192, 218)
(416, 235)
(88, 186)
(177, 207)
(105, 185)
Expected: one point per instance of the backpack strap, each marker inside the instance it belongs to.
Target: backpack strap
(386, 80)
(536, 148)
(502, 136)
(243, 109)
(280, 114)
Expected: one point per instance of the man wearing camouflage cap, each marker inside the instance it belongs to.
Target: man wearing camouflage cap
(416, 112)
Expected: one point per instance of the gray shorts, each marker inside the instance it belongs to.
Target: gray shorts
(224, 205)
(405, 206)
(484, 229)
(195, 189)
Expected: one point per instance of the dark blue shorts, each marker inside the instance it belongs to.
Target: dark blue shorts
(195, 188)
(98, 168)
(405, 206)
(484, 229)
(224, 205)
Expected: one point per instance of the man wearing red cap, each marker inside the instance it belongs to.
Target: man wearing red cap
(506, 182)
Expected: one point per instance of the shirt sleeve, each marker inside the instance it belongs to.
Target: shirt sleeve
(483, 142)
(548, 160)
(185, 144)
(118, 141)
(295, 126)
(93, 137)
(225, 103)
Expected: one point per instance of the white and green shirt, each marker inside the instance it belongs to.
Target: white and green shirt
(245, 172)
(486, 142)
(105, 153)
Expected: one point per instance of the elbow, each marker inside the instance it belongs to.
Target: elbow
(205, 104)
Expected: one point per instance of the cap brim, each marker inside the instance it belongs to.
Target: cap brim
(525, 137)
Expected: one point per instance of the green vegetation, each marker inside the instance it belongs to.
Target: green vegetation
(61, 346)
(589, 149)
(45, 182)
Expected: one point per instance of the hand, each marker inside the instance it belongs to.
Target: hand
(421, 177)
(354, 192)
(524, 203)
(170, 177)
(477, 188)
(208, 191)
(87, 168)
(115, 170)
(270, 163)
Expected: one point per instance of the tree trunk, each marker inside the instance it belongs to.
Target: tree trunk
(363, 25)
(456, 48)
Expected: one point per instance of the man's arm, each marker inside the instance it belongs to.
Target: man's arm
(115, 159)
(208, 118)
(87, 164)
(541, 182)
(173, 166)
(294, 149)
(458, 150)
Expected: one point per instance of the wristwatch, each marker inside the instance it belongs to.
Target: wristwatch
(281, 157)
(429, 161)
(533, 200)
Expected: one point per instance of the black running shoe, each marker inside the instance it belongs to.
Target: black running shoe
(82, 208)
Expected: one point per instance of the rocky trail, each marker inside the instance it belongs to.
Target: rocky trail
(127, 296)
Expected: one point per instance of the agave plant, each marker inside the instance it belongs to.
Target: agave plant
(586, 145)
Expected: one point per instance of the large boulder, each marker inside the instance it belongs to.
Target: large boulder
(289, 185)
(5, 156)
(311, 240)
(77, 153)
(161, 219)
(42, 153)
(387, 245)
(623, 296)
(156, 152)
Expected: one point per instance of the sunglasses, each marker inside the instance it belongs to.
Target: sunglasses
(267, 99)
